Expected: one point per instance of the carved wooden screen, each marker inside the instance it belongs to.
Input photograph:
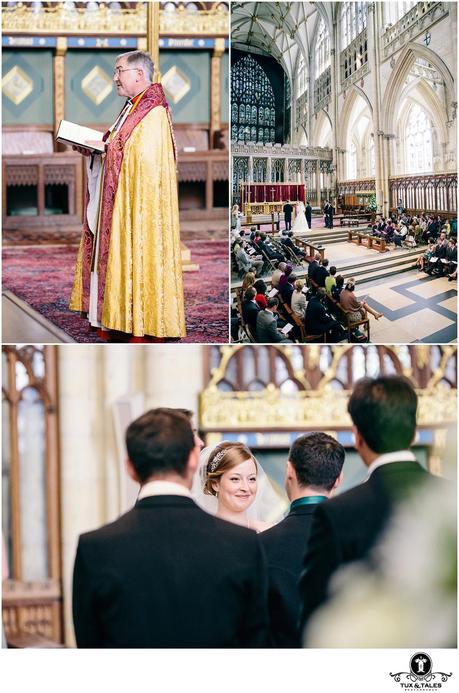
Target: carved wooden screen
(30, 494)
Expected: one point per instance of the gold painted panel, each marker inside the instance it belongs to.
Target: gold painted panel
(97, 85)
(176, 84)
(17, 85)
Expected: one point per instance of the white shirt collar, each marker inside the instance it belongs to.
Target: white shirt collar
(163, 488)
(390, 457)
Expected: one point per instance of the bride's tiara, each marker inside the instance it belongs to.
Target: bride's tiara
(216, 461)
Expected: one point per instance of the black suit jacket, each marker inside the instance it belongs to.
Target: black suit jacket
(167, 574)
(319, 275)
(316, 319)
(285, 547)
(287, 292)
(266, 249)
(440, 251)
(288, 209)
(308, 214)
(347, 527)
(313, 265)
(250, 311)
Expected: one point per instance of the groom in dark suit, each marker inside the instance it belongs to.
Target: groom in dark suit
(312, 474)
(168, 574)
(346, 528)
(288, 211)
(308, 214)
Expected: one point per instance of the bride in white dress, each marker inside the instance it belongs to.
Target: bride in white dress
(232, 485)
(300, 225)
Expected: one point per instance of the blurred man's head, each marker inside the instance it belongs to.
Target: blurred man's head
(314, 466)
(250, 293)
(161, 445)
(383, 411)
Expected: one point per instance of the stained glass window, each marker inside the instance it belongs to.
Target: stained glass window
(253, 113)
(418, 141)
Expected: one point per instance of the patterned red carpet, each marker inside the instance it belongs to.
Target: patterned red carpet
(42, 276)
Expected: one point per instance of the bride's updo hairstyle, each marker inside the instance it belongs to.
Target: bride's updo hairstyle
(223, 458)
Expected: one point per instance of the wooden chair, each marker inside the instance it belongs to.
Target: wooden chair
(245, 327)
(343, 316)
(305, 338)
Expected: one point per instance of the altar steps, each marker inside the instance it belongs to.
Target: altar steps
(365, 270)
(329, 236)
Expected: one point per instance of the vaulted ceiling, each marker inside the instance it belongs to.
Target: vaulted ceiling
(279, 29)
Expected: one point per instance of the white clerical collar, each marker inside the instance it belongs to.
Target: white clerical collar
(389, 458)
(163, 488)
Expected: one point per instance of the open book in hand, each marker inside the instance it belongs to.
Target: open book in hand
(71, 133)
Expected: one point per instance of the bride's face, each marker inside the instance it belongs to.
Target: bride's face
(237, 487)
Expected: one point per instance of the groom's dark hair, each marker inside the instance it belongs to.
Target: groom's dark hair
(317, 459)
(383, 410)
(158, 442)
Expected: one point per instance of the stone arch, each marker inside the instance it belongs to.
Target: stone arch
(396, 81)
(429, 102)
(419, 93)
(303, 136)
(322, 122)
(346, 113)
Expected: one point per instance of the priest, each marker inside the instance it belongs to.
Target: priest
(128, 276)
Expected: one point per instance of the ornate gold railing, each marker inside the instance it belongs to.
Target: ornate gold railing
(55, 18)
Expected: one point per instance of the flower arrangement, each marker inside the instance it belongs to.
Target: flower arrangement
(405, 595)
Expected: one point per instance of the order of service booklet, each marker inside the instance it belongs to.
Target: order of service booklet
(71, 133)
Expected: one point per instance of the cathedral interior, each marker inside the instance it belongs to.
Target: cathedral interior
(355, 103)
(58, 64)
(63, 471)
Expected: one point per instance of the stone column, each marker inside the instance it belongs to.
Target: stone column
(250, 168)
(318, 186)
(373, 54)
(118, 376)
(215, 89)
(173, 378)
(334, 77)
(90, 381)
(82, 455)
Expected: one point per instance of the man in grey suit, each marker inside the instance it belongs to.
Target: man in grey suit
(245, 262)
(267, 330)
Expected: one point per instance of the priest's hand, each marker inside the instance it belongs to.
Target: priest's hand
(92, 143)
(81, 150)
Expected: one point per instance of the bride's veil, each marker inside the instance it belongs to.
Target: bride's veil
(268, 505)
